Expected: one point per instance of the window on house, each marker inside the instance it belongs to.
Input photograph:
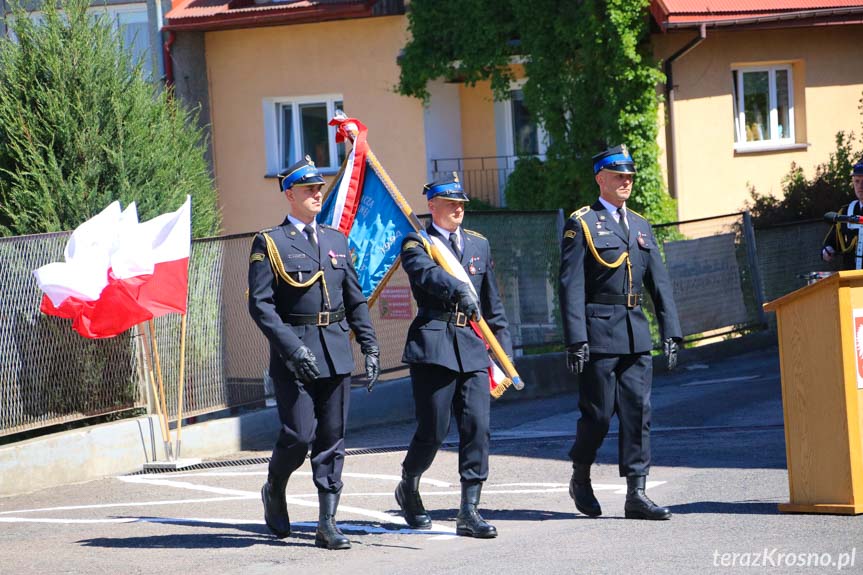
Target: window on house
(135, 35)
(525, 131)
(130, 20)
(763, 107)
(302, 129)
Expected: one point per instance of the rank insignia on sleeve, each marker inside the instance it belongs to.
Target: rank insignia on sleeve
(570, 234)
(256, 258)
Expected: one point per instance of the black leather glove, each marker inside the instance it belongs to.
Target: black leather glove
(670, 348)
(373, 366)
(304, 365)
(466, 300)
(577, 356)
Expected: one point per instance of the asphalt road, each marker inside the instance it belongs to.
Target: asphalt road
(719, 463)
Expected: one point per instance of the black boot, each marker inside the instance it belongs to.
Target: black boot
(328, 534)
(638, 505)
(581, 491)
(469, 522)
(408, 498)
(275, 508)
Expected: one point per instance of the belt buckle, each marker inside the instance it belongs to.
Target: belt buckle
(632, 300)
(323, 319)
(460, 319)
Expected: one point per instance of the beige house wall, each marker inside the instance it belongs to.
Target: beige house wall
(828, 84)
(354, 58)
(477, 120)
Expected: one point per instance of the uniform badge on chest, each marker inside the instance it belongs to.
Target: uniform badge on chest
(641, 240)
(471, 266)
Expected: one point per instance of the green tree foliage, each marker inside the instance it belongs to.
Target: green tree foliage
(591, 82)
(81, 127)
(805, 199)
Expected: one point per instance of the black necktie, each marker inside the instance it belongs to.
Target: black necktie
(453, 241)
(623, 222)
(310, 234)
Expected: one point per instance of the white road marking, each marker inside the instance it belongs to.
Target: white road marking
(722, 380)
(437, 531)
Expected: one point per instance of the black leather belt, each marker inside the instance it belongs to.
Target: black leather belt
(320, 319)
(629, 300)
(458, 318)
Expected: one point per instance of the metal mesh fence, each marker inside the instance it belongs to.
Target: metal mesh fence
(712, 263)
(788, 253)
(49, 374)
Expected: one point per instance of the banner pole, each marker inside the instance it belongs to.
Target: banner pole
(181, 385)
(150, 385)
(167, 438)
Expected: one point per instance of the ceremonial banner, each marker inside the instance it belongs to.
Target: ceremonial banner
(360, 205)
(364, 204)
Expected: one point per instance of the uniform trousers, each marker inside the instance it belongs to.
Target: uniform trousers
(440, 393)
(312, 415)
(615, 384)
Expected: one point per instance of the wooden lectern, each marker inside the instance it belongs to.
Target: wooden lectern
(821, 356)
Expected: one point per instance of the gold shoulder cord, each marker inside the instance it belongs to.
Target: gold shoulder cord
(840, 240)
(279, 269)
(613, 265)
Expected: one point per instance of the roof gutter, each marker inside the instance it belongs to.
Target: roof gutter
(788, 18)
(670, 148)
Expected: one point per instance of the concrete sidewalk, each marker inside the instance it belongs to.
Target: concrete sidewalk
(125, 446)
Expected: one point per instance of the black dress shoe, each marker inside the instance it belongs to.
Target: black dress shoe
(408, 498)
(275, 509)
(328, 535)
(638, 505)
(469, 522)
(581, 492)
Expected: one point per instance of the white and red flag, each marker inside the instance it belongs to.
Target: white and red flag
(118, 272)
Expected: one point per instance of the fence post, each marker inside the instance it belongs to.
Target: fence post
(752, 258)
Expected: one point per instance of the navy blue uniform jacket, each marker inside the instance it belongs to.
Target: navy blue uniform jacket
(271, 299)
(610, 328)
(437, 342)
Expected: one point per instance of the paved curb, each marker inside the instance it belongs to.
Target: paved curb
(125, 446)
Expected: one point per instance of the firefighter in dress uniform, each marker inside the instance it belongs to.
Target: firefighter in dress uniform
(843, 238)
(304, 295)
(448, 360)
(608, 255)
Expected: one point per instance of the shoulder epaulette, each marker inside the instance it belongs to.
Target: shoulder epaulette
(266, 230)
(473, 233)
(329, 227)
(636, 214)
(580, 212)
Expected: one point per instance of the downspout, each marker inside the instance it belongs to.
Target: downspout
(169, 63)
(669, 98)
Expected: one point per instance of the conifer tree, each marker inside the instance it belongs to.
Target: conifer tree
(80, 127)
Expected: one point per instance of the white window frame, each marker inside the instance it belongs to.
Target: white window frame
(120, 15)
(273, 127)
(772, 143)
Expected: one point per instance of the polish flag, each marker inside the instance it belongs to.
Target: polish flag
(118, 272)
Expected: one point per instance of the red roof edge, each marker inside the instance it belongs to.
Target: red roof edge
(273, 16)
(660, 13)
(776, 19)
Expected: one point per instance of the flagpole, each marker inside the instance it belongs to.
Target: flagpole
(163, 418)
(181, 386)
(167, 438)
